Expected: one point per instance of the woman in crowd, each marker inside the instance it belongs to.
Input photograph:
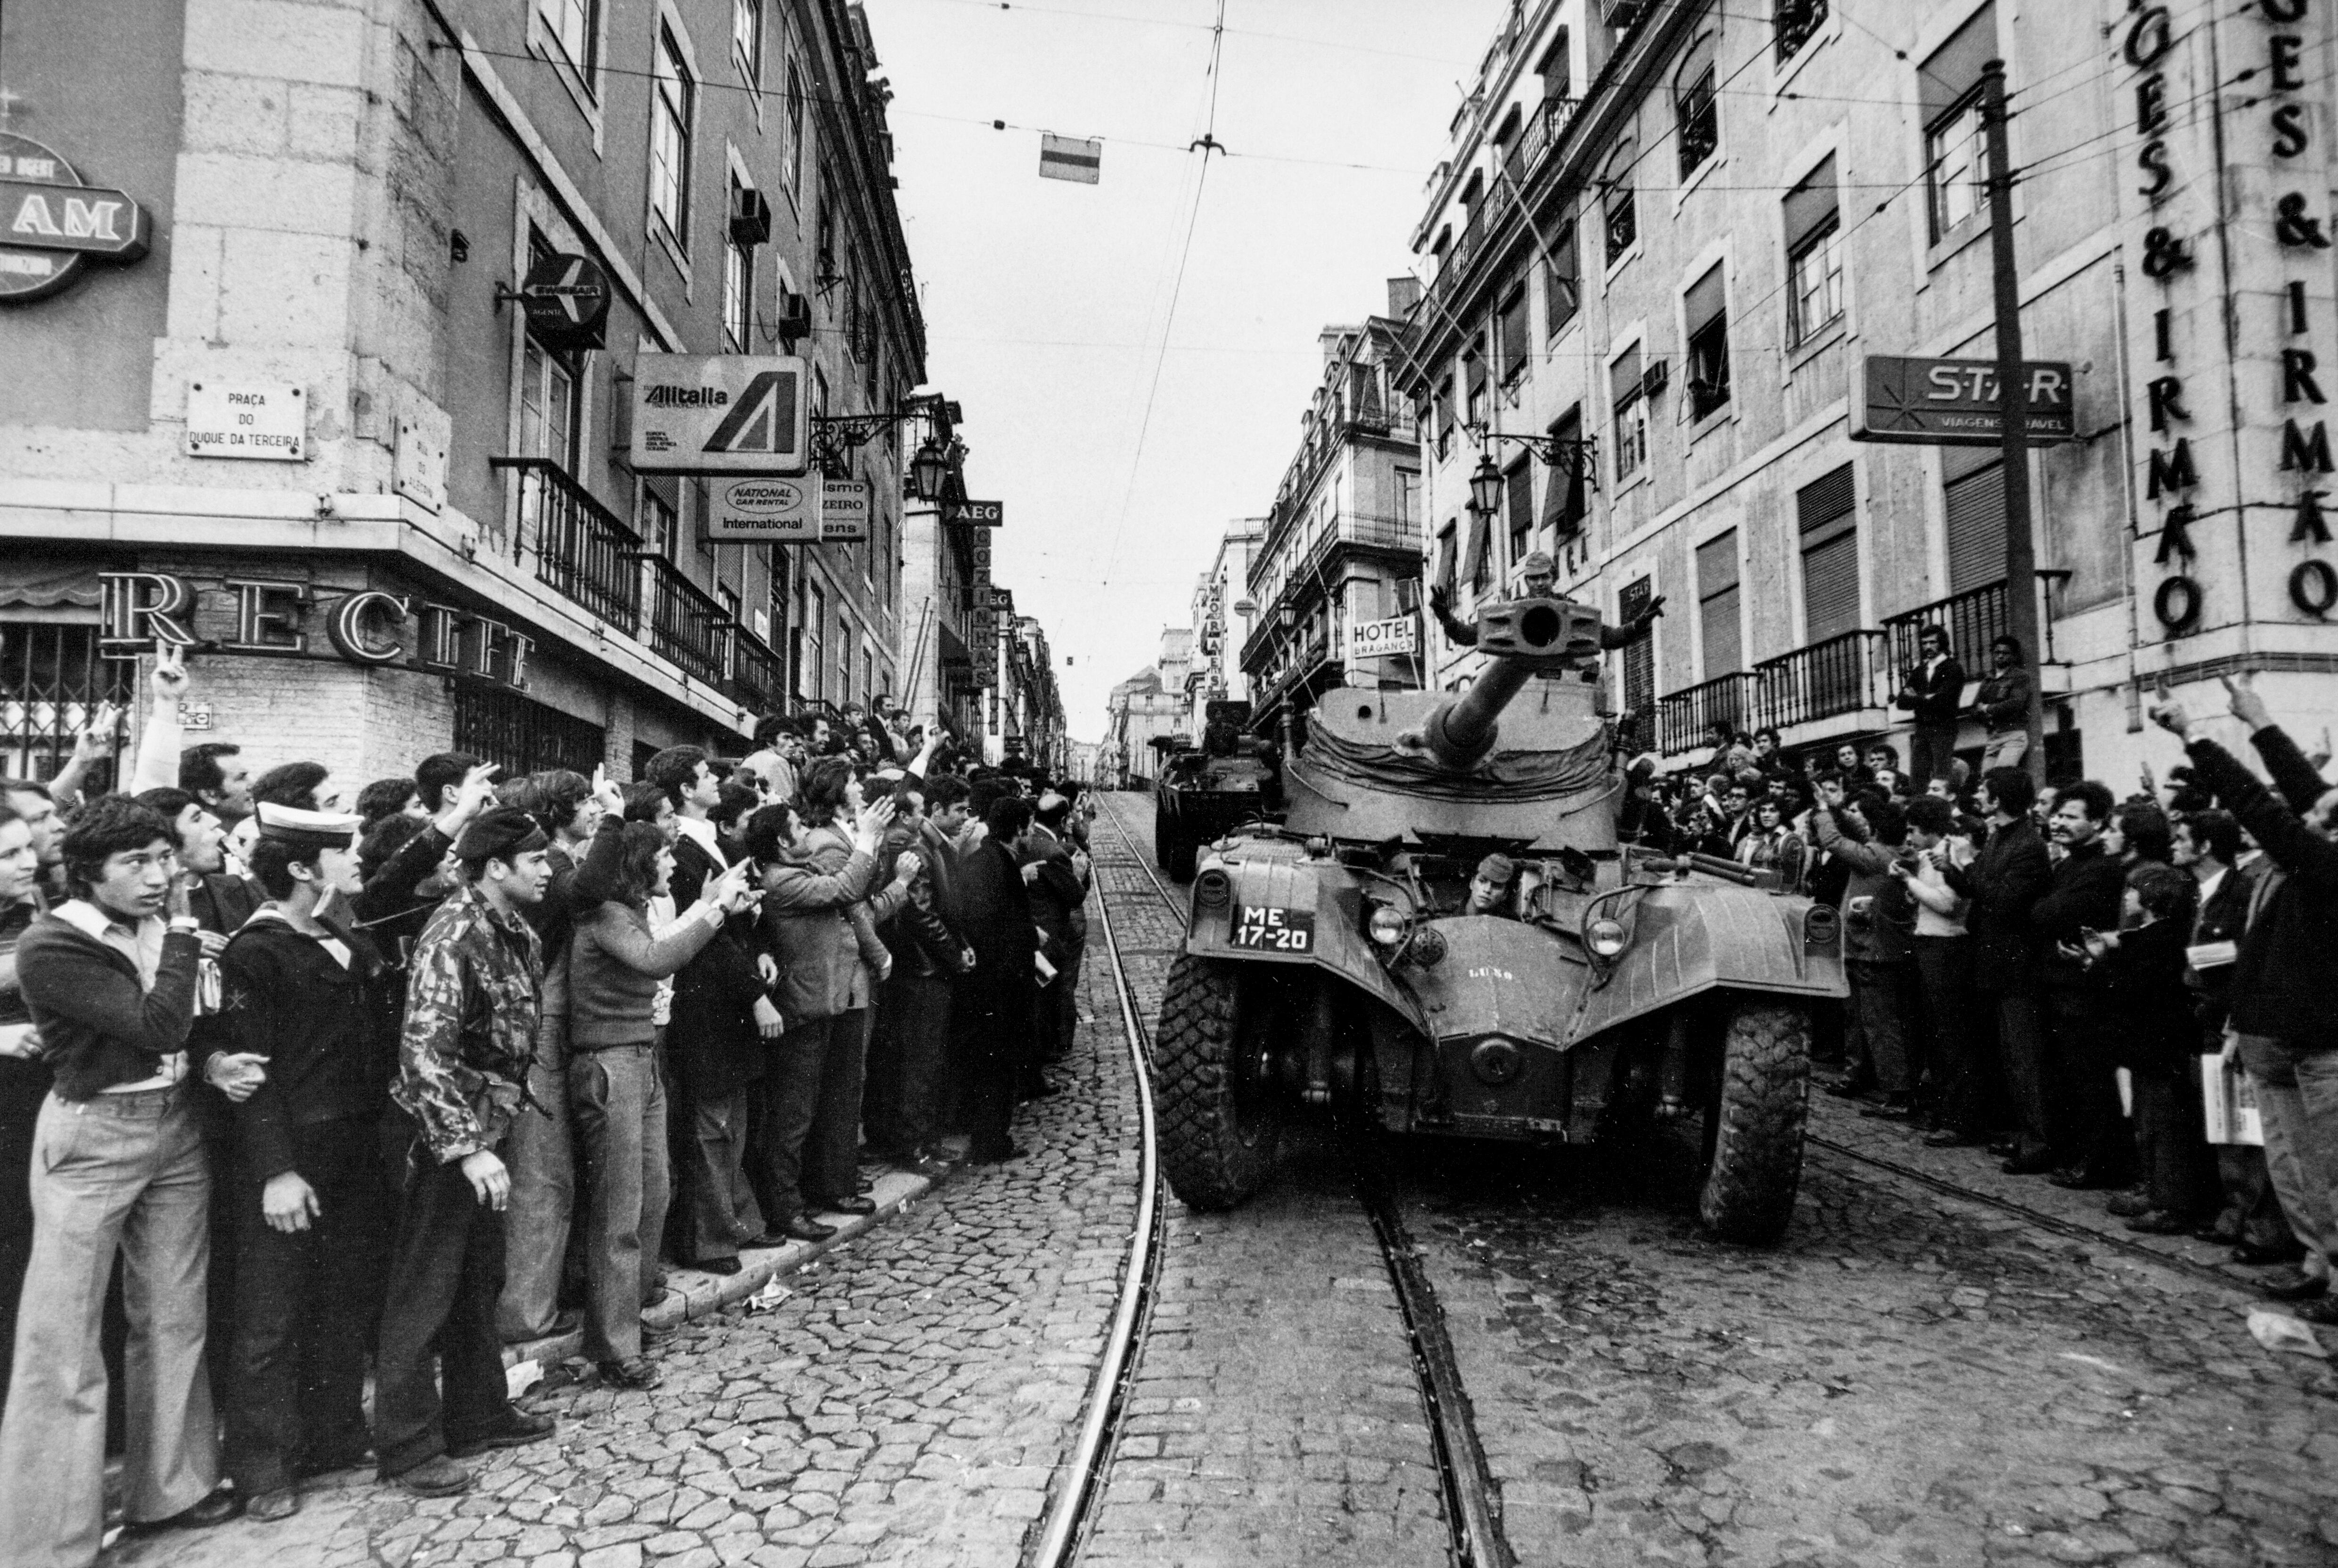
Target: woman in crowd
(617, 1097)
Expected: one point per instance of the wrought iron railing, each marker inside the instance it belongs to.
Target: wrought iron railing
(583, 550)
(687, 627)
(758, 677)
(1822, 681)
(1684, 717)
(1973, 620)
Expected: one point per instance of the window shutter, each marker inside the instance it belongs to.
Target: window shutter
(1513, 334)
(1946, 79)
(1975, 527)
(1562, 506)
(1481, 529)
(1703, 302)
(1829, 519)
(1810, 205)
(1473, 367)
(1445, 553)
(1623, 376)
(1563, 280)
(1717, 595)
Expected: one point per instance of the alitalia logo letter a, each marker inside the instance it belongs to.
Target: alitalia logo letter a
(763, 419)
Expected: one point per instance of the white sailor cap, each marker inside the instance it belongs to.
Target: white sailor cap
(306, 830)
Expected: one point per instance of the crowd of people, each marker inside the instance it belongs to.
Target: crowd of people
(2063, 974)
(414, 1070)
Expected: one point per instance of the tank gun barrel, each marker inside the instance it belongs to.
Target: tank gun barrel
(1522, 638)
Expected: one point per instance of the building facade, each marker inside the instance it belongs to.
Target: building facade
(1671, 240)
(314, 432)
(1143, 709)
(1342, 544)
(1220, 593)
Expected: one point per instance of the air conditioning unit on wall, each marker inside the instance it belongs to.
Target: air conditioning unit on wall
(751, 216)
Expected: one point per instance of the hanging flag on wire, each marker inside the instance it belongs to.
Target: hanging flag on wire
(1068, 158)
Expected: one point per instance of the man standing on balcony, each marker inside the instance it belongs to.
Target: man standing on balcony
(2003, 704)
(1539, 579)
(1932, 691)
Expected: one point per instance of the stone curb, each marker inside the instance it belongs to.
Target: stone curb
(692, 1294)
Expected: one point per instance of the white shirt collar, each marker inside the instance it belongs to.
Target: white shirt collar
(87, 918)
(701, 832)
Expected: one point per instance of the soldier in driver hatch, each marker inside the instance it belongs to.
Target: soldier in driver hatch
(1489, 887)
(1538, 580)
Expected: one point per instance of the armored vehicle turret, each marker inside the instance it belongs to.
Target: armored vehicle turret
(1229, 781)
(1445, 937)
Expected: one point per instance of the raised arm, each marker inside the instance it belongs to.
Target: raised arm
(157, 767)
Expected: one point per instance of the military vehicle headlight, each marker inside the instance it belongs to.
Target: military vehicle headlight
(1212, 887)
(1388, 924)
(1428, 948)
(1821, 927)
(1606, 937)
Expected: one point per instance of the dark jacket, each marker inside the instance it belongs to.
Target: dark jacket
(1056, 897)
(99, 1026)
(2223, 917)
(389, 908)
(1934, 699)
(320, 1026)
(2088, 888)
(2287, 973)
(713, 1040)
(2004, 883)
(996, 999)
(940, 856)
(2003, 700)
(2150, 1009)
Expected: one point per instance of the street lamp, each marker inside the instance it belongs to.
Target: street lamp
(929, 470)
(1486, 488)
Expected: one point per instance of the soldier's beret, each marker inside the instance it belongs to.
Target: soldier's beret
(500, 832)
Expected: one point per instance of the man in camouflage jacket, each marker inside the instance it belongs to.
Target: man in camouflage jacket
(471, 1007)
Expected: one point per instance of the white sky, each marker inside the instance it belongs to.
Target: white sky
(1044, 299)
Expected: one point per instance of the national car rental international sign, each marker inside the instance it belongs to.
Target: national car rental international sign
(721, 413)
(1953, 402)
(52, 226)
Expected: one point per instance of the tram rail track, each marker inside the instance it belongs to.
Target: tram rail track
(1471, 1503)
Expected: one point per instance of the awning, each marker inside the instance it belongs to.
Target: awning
(44, 584)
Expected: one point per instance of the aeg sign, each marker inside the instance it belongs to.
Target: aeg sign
(734, 413)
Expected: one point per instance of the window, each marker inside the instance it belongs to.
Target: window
(1716, 606)
(1556, 68)
(747, 39)
(1618, 210)
(1696, 114)
(1517, 504)
(1408, 500)
(547, 405)
(1564, 500)
(777, 598)
(575, 27)
(1956, 163)
(824, 235)
(1973, 478)
(654, 517)
(1444, 419)
(1562, 281)
(728, 597)
(738, 281)
(702, 515)
(670, 122)
(792, 145)
(1510, 341)
(815, 623)
(1704, 310)
(1630, 414)
(1827, 512)
(1473, 372)
(1813, 254)
(1795, 22)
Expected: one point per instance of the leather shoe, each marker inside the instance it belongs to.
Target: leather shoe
(2036, 1165)
(2082, 1178)
(2294, 1286)
(439, 1477)
(2159, 1222)
(804, 1228)
(717, 1265)
(1893, 1109)
(633, 1372)
(267, 1507)
(853, 1205)
(2004, 1147)
(1849, 1089)
(2323, 1310)
(221, 1506)
(1950, 1138)
(520, 1429)
(2251, 1253)
(2128, 1205)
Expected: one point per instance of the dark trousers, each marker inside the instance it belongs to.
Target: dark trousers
(831, 1150)
(901, 1105)
(992, 1043)
(795, 1067)
(22, 1086)
(2020, 1030)
(1059, 1008)
(1955, 1073)
(1931, 751)
(445, 1273)
(305, 1303)
(712, 1153)
(2171, 1139)
(1879, 1035)
(2084, 1075)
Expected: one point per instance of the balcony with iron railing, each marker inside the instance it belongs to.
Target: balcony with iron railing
(1516, 175)
(687, 627)
(581, 549)
(1684, 717)
(759, 677)
(1973, 620)
(1824, 680)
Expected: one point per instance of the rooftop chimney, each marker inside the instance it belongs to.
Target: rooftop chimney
(1404, 293)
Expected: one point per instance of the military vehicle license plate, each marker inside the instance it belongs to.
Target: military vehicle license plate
(1275, 930)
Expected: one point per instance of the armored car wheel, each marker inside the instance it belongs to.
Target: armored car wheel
(1182, 853)
(1162, 834)
(1220, 1123)
(1755, 1122)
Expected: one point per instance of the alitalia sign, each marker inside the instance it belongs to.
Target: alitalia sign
(52, 226)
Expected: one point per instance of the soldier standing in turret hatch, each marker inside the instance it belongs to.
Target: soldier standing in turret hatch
(1539, 576)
